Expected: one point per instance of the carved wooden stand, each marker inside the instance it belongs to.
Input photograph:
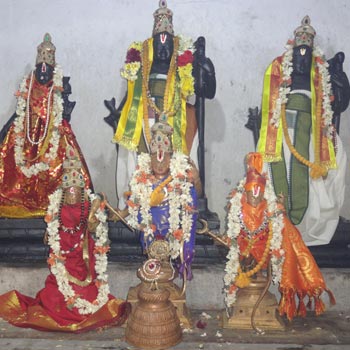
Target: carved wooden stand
(153, 323)
(266, 316)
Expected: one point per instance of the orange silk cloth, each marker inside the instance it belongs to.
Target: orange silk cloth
(23, 197)
(48, 311)
(301, 277)
(253, 218)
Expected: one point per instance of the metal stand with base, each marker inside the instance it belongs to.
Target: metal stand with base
(266, 315)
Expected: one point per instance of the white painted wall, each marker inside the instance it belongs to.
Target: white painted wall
(91, 37)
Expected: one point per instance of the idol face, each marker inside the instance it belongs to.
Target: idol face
(72, 195)
(163, 47)
(160, 168)
(44, 73)
(254, 199)
(302, 60)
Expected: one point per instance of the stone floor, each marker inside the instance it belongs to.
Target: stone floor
(326, 332)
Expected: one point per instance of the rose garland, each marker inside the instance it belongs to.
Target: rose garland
(179, 197)
(184, 64)
(20, 122)
(57, 260)
(275, 219)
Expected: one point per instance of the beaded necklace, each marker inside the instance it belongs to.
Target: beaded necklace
(47, 119)
(82, 221)
(261, 228)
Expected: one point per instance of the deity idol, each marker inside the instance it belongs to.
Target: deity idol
(297, 137)
(163, 72)
(260, 237)
(33, 142)
(258, 224)
(76, 295)
(162, 201)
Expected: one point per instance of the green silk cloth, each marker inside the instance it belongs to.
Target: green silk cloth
(295, 190)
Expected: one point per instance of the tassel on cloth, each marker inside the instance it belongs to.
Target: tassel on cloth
(331, 297)
(309, 303)
(287, 305)
(301, 308)
(319, 306)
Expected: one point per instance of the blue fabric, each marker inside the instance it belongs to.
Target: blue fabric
(160, 218)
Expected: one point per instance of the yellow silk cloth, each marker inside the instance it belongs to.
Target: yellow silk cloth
(130, 125)
(22, 314)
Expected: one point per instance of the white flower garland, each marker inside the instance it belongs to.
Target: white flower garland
(179, 197)
(58, 269)
(284, 90)
(327, 116)
(19, 126)
(185, 44)
(275, 217)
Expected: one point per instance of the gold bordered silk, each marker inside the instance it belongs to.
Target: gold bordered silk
(270, 141)
(130, 126)
(301, 276)
(27, 197)
(22, 311)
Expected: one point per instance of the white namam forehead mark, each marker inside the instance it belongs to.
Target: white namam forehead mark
(163, 38)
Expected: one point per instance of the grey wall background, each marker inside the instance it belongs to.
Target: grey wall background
(92, 36)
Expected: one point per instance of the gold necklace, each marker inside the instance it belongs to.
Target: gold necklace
(167, 111)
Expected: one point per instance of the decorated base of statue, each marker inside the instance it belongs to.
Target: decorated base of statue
(177, 297)
(266, 316)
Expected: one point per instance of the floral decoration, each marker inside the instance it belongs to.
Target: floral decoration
(22, 122)
(179, 197)
(185, 52)
(285, 89)
(57, 259)
(275, 219)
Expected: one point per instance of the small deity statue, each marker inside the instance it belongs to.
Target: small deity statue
(260, 236)
(33, 142)
(163, 72)
(297, 136)
(162, 205)
(76, 295)
(162, 202)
